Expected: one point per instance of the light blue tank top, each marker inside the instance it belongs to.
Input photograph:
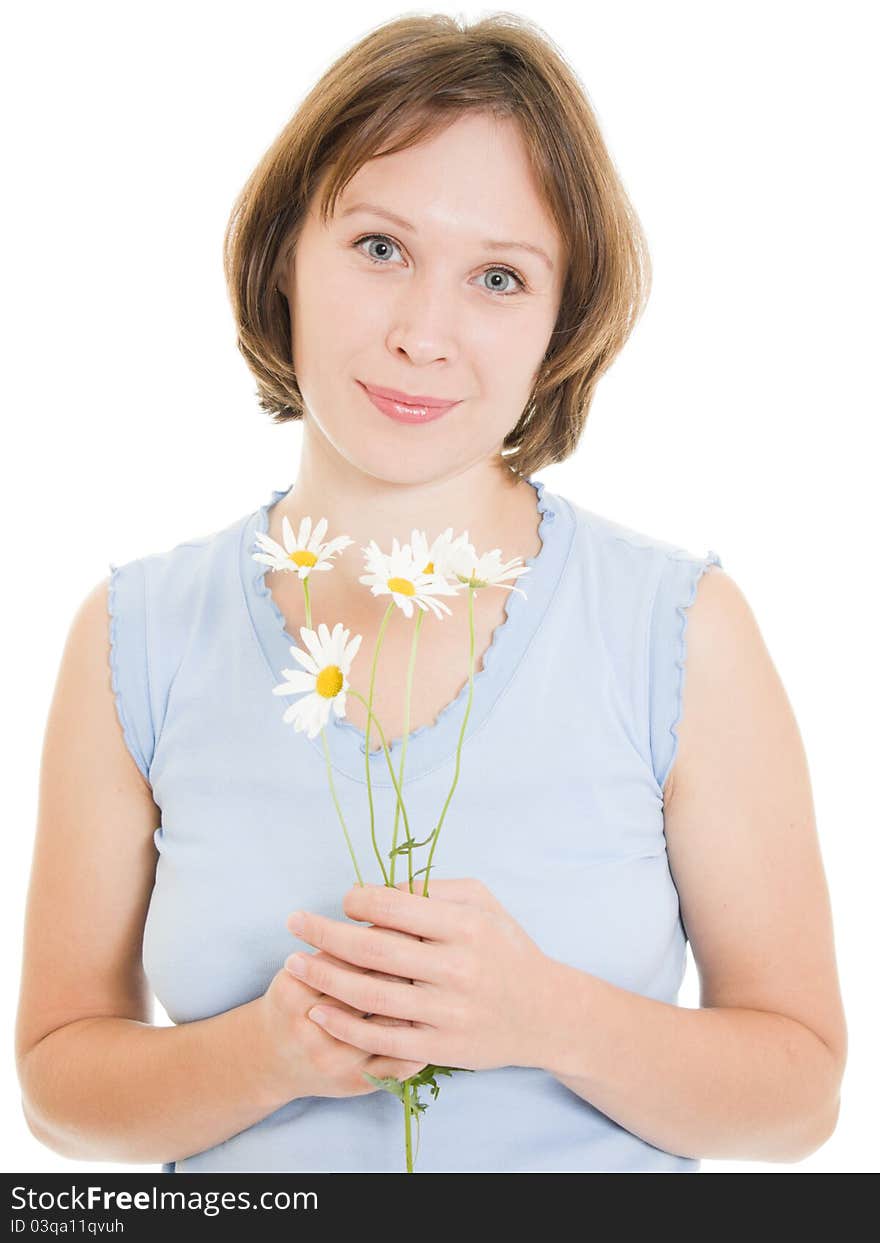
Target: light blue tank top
(558, 810)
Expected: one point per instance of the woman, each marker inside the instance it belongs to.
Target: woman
(439, 222)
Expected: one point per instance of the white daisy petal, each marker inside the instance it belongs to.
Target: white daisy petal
(318, 534)
(287, 531)
(269, 544)
(308, 662)
(297, 682)
(337, 644)
(336, 545)
(440, 607)
(313, 643)
(320, 715)
(303, 712)
(352, 648)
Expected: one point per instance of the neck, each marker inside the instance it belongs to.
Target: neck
(492, 504)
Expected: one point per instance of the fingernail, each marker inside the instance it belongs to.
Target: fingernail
(297, 922)
(318, 1014)
(296, 964)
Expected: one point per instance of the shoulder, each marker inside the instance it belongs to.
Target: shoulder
(172, 573)
(634, 556)
(732, 691)
(641, 569)
(722, 622)
(609, 534)
(639, 590)
(157, 604)
(621, 563)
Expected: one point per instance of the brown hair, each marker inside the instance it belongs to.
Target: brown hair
(401, 83)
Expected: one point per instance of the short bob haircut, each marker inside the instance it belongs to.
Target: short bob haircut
(403, 82)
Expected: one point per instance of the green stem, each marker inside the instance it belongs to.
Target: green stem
(407, 1112)
(400, 806)
(305, 583)
(409, 680)
(372, 717)
(379, 637)
(338, 808)
(460, 738)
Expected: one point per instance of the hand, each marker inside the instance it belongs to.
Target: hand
(311, 1062)
(470, 981)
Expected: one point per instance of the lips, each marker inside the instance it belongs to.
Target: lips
(409, 409)
(408, 399)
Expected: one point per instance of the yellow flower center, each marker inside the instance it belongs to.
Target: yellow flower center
(302, 556)
(429, 568)
(329, 681)
(402, 586)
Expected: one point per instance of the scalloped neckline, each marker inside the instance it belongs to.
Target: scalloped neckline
(431, 744)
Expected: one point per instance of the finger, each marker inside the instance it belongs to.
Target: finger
(467, 891)
(376, 949)
(326, 956)
(388, 1068)
(377, 1038)
(305, 995)
(325, 998)
(438, 919)
(348, 966)
(364, 992)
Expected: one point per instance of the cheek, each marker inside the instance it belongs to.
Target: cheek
(507, 355)
(510, 342)
(327, 340)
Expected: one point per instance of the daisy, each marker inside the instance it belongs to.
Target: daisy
(459, 560)
(431, 557)
(301, 552)
(324, 673)
(408, 574)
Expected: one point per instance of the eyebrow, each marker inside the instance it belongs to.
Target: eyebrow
(405, 224)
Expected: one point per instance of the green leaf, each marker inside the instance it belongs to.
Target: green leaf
(423, 1078)
(392, 1085)
(426, 1077)
(410, 844)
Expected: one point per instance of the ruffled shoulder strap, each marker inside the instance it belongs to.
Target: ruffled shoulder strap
(676, 592)
(152, 602)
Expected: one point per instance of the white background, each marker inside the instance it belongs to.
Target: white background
(742, 415)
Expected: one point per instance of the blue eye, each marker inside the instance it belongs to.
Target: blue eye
(388, 241)
(505, 293)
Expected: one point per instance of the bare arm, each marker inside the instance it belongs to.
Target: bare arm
(98, 1081)
(756, 1072)
(722, 1083)
(115, 1089)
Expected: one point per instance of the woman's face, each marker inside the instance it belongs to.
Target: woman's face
(430, 307)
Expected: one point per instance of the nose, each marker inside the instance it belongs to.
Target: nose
(424, 321)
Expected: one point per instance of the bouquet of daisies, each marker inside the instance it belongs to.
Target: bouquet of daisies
(414, 574)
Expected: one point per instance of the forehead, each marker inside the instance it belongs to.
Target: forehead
(473, 178)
